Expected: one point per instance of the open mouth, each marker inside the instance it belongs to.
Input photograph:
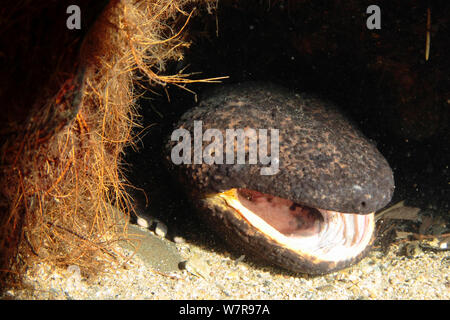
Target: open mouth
(320, 234)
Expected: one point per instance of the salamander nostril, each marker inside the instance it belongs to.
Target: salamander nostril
(363, 204)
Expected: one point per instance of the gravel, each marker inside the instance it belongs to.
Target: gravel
(207, 274)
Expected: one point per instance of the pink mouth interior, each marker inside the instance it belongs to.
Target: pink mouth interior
(284, 215)
(325, 234)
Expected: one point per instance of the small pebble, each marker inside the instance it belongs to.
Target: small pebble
(178, 239)
(161, 229)
(143, 222)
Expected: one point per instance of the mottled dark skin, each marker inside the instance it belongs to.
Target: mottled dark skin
(322, 156)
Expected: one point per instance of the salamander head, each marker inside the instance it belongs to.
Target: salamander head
(299, 189)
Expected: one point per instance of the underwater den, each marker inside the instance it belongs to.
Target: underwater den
(212, 149)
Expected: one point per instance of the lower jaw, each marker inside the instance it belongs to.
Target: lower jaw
(245, 231)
